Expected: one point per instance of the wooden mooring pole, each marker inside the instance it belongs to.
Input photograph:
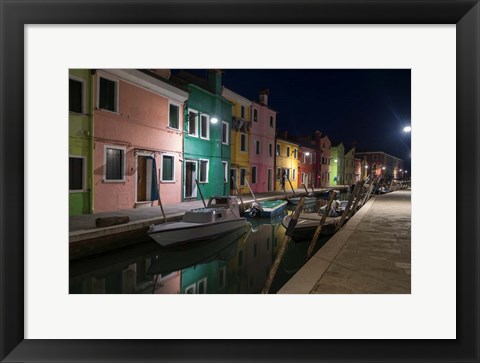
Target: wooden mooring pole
(238, 193)
(312, 244)
(251, 191)
(356, 202)
(283, 247)
(291, 186)
(201, 195)
(161, 205)
(346, 212)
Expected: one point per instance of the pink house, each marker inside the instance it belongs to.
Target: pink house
(262, 145)
(138, 121)
(325, 147)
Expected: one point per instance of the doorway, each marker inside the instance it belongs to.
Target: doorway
(144, 178)
(190, 177)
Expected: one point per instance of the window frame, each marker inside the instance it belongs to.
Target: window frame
(116, 147)
(200, 170)
(84, 172)
(201, 126)
(117, 93)
(242, 134)
(170, 103)
(279, 150)
(240, 177)
(257, 147)
(226, 173)
(254, 174)
(173, 168)
(271, 121)
(288, 152)
(255, 115)
(84, 95)
(226, 133)
(197, 119)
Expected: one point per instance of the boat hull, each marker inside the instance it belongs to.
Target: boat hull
(305, 228)
(270, 211)
(176, 233)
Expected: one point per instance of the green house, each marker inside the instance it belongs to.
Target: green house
(337, 165)
(208, 116)
(80, 142)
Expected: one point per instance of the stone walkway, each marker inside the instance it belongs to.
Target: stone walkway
(371, 254)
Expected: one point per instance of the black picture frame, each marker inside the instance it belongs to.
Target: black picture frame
(16, 14)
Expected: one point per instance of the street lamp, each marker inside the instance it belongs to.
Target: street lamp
(214, 120)
(407, 129)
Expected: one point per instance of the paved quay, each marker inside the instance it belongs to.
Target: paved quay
(371, 254)
(87, 239)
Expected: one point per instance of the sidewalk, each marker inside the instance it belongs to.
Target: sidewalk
(371, 254)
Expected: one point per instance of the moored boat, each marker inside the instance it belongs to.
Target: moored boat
(219, 217)
(296, 200)
(266, 208)
(307, 224)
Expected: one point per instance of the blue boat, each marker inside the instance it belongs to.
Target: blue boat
(267, 208)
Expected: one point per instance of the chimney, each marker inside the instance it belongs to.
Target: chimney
(214, 80)
(164, 73)
(264, 97)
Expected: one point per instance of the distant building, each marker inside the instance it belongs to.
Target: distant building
(325, 161)
(349, 168)
(307, 158)
(337, 165)
(357, 169)
(286, 163)
(262, 144)
(383, 165)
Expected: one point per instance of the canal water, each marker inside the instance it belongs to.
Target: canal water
(238, 263)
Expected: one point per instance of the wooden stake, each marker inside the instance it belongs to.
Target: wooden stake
(251, 191)
(201, 195)
(349, 205)
(160, 204)
(283, 247)
(312, 244)
(291, 186)
(357, 199)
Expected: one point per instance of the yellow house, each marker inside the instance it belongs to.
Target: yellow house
(240, 141)
(286, 164)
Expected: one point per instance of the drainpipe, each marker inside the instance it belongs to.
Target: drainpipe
(90, 125)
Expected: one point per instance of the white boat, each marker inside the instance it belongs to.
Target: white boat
(337, 208)
(219, 217)
(307, 224)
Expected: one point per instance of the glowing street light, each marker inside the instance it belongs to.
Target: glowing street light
(407, 129)
(214, 120)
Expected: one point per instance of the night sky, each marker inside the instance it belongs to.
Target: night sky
(367, 108)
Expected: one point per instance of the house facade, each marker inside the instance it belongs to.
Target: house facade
(207, 127)
(262, 145)
(239, 142)
(325, 160)
(349, 167)
(337, 165)
(137, 139)
(382, 165)
(286, 164)
(307, 159)
(80, 142)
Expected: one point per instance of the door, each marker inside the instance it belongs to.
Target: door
(190, 176)
(269, 181)
(141, 178)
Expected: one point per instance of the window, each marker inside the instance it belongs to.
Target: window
(108, 95)
(254, 174)
(270, 151)
(204, 129)
(168, 164)
(287, 171)
(203, 171)
(257, 147)
(271, 121)
(255, 115)
(202, 286)
(242, 111)
(225, 171)
(243, 142)
(114, 164)
(278, 149)
(192, 123)
(76, 173)
(75, 96)
(294, 153)
(174, 116)
(288, 151)
(294, 174)
(190, 289)
(224, 132)
(279, 173)
(243, 174)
